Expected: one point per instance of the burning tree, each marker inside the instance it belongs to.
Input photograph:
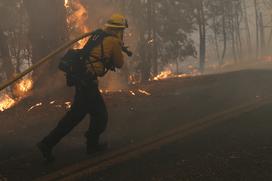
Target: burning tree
(6, 64)
(77, 17)
(47, 31)
(15, 52)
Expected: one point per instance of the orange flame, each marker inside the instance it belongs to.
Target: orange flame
(6, 102)
(132, 93)
(68, 105)
(144, 92)
(20, 90)
(36, 105)
(76, 20)
(66, 3)
(164, 75)
(167, 74)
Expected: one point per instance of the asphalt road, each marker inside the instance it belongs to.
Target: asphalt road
(239, 149)
(133, 119)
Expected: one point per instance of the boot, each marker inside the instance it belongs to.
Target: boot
(46, 152)
(93, 145)
(96, 148)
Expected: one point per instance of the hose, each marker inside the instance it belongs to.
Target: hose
(44, 60)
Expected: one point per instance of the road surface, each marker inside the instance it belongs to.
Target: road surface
(134, 119)
(238, 149)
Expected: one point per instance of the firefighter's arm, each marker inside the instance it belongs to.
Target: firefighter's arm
(117, 55)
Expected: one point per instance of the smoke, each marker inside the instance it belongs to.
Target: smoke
(51, 84)
(114, 81)
(98, 13)
(96, 19)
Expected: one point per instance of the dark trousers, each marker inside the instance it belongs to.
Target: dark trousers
(87, 100)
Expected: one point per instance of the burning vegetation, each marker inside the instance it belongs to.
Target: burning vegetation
(169, 34)
(6, 102)
(22, 88)
(19, 91)
(167, 74)
(77, 17)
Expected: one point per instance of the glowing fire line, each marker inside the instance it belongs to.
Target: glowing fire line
(132, 93)
(68, 105)
(144, 92)
(20, 91)
(167, 74)
(163, 75)
(6, 102)
(36, 105)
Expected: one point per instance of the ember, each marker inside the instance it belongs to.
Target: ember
(132, 93)
(68, 105)
(144, 92)
(36, 105)
(150, 41)
(58, 106)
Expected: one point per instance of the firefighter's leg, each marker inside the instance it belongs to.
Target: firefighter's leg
(98, 122)
(72, 118)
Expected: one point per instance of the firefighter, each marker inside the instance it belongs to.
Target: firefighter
(88, 99)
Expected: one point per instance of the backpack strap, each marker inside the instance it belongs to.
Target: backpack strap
(103, 58)
(96, 38)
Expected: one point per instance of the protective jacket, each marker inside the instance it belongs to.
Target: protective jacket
(111, 48)
(108, 53)
(102, 52)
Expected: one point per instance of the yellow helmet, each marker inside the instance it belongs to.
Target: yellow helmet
(117, 21)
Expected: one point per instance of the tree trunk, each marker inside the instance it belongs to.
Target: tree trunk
(224, 39)
(47, 30)
(145, 63)
(155, 43)
(177, 66)
(7, 66)
(202, 35)
(238, 35)
(270, 38)
(234, 52)
(262, 34)
(216, 39)
(257, 28)
(249, 45)
(150, 34)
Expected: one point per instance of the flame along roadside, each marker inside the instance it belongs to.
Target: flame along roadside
(20, 91)
(22, 88)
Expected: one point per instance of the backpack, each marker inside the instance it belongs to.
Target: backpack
(74, 62)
